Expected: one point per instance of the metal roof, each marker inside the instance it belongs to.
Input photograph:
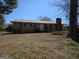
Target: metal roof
(34, 21)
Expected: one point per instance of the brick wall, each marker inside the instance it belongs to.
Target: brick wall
(59, 25)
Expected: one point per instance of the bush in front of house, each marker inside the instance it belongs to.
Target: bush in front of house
(59, 32)
(22, 30)
(9, 28)
(18, 30)
(65, 28)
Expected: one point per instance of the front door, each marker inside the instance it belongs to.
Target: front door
(46, 28)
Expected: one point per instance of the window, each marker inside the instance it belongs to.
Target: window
(20, 24)
(30, 25)
(24, 24)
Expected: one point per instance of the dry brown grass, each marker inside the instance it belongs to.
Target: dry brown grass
(38, 46)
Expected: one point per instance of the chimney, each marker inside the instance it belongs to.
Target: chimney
(58, 20)
(58, 24)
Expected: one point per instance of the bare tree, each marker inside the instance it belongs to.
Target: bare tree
(45, 18)
(63, 5)
(73, 18)
(71, 9)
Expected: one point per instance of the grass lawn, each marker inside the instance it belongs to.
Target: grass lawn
(37, 46)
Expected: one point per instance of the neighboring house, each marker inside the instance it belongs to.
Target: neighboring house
(36, 26)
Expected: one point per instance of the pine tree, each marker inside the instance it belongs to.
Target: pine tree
(6, 7)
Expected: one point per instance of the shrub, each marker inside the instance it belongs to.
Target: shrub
(9, 28)
(58, 32)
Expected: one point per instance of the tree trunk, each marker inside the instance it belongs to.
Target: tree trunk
(73, 18)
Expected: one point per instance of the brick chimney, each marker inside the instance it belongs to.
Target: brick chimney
(58, 24)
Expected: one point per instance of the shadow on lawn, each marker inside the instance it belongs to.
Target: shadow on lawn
(11, 33)
(75, 37)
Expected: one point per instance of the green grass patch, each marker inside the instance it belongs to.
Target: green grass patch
(59, 32)
(4, 33)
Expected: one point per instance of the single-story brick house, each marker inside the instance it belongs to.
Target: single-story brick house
(36, 26)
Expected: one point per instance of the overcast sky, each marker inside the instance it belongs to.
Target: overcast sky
(32, 9)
